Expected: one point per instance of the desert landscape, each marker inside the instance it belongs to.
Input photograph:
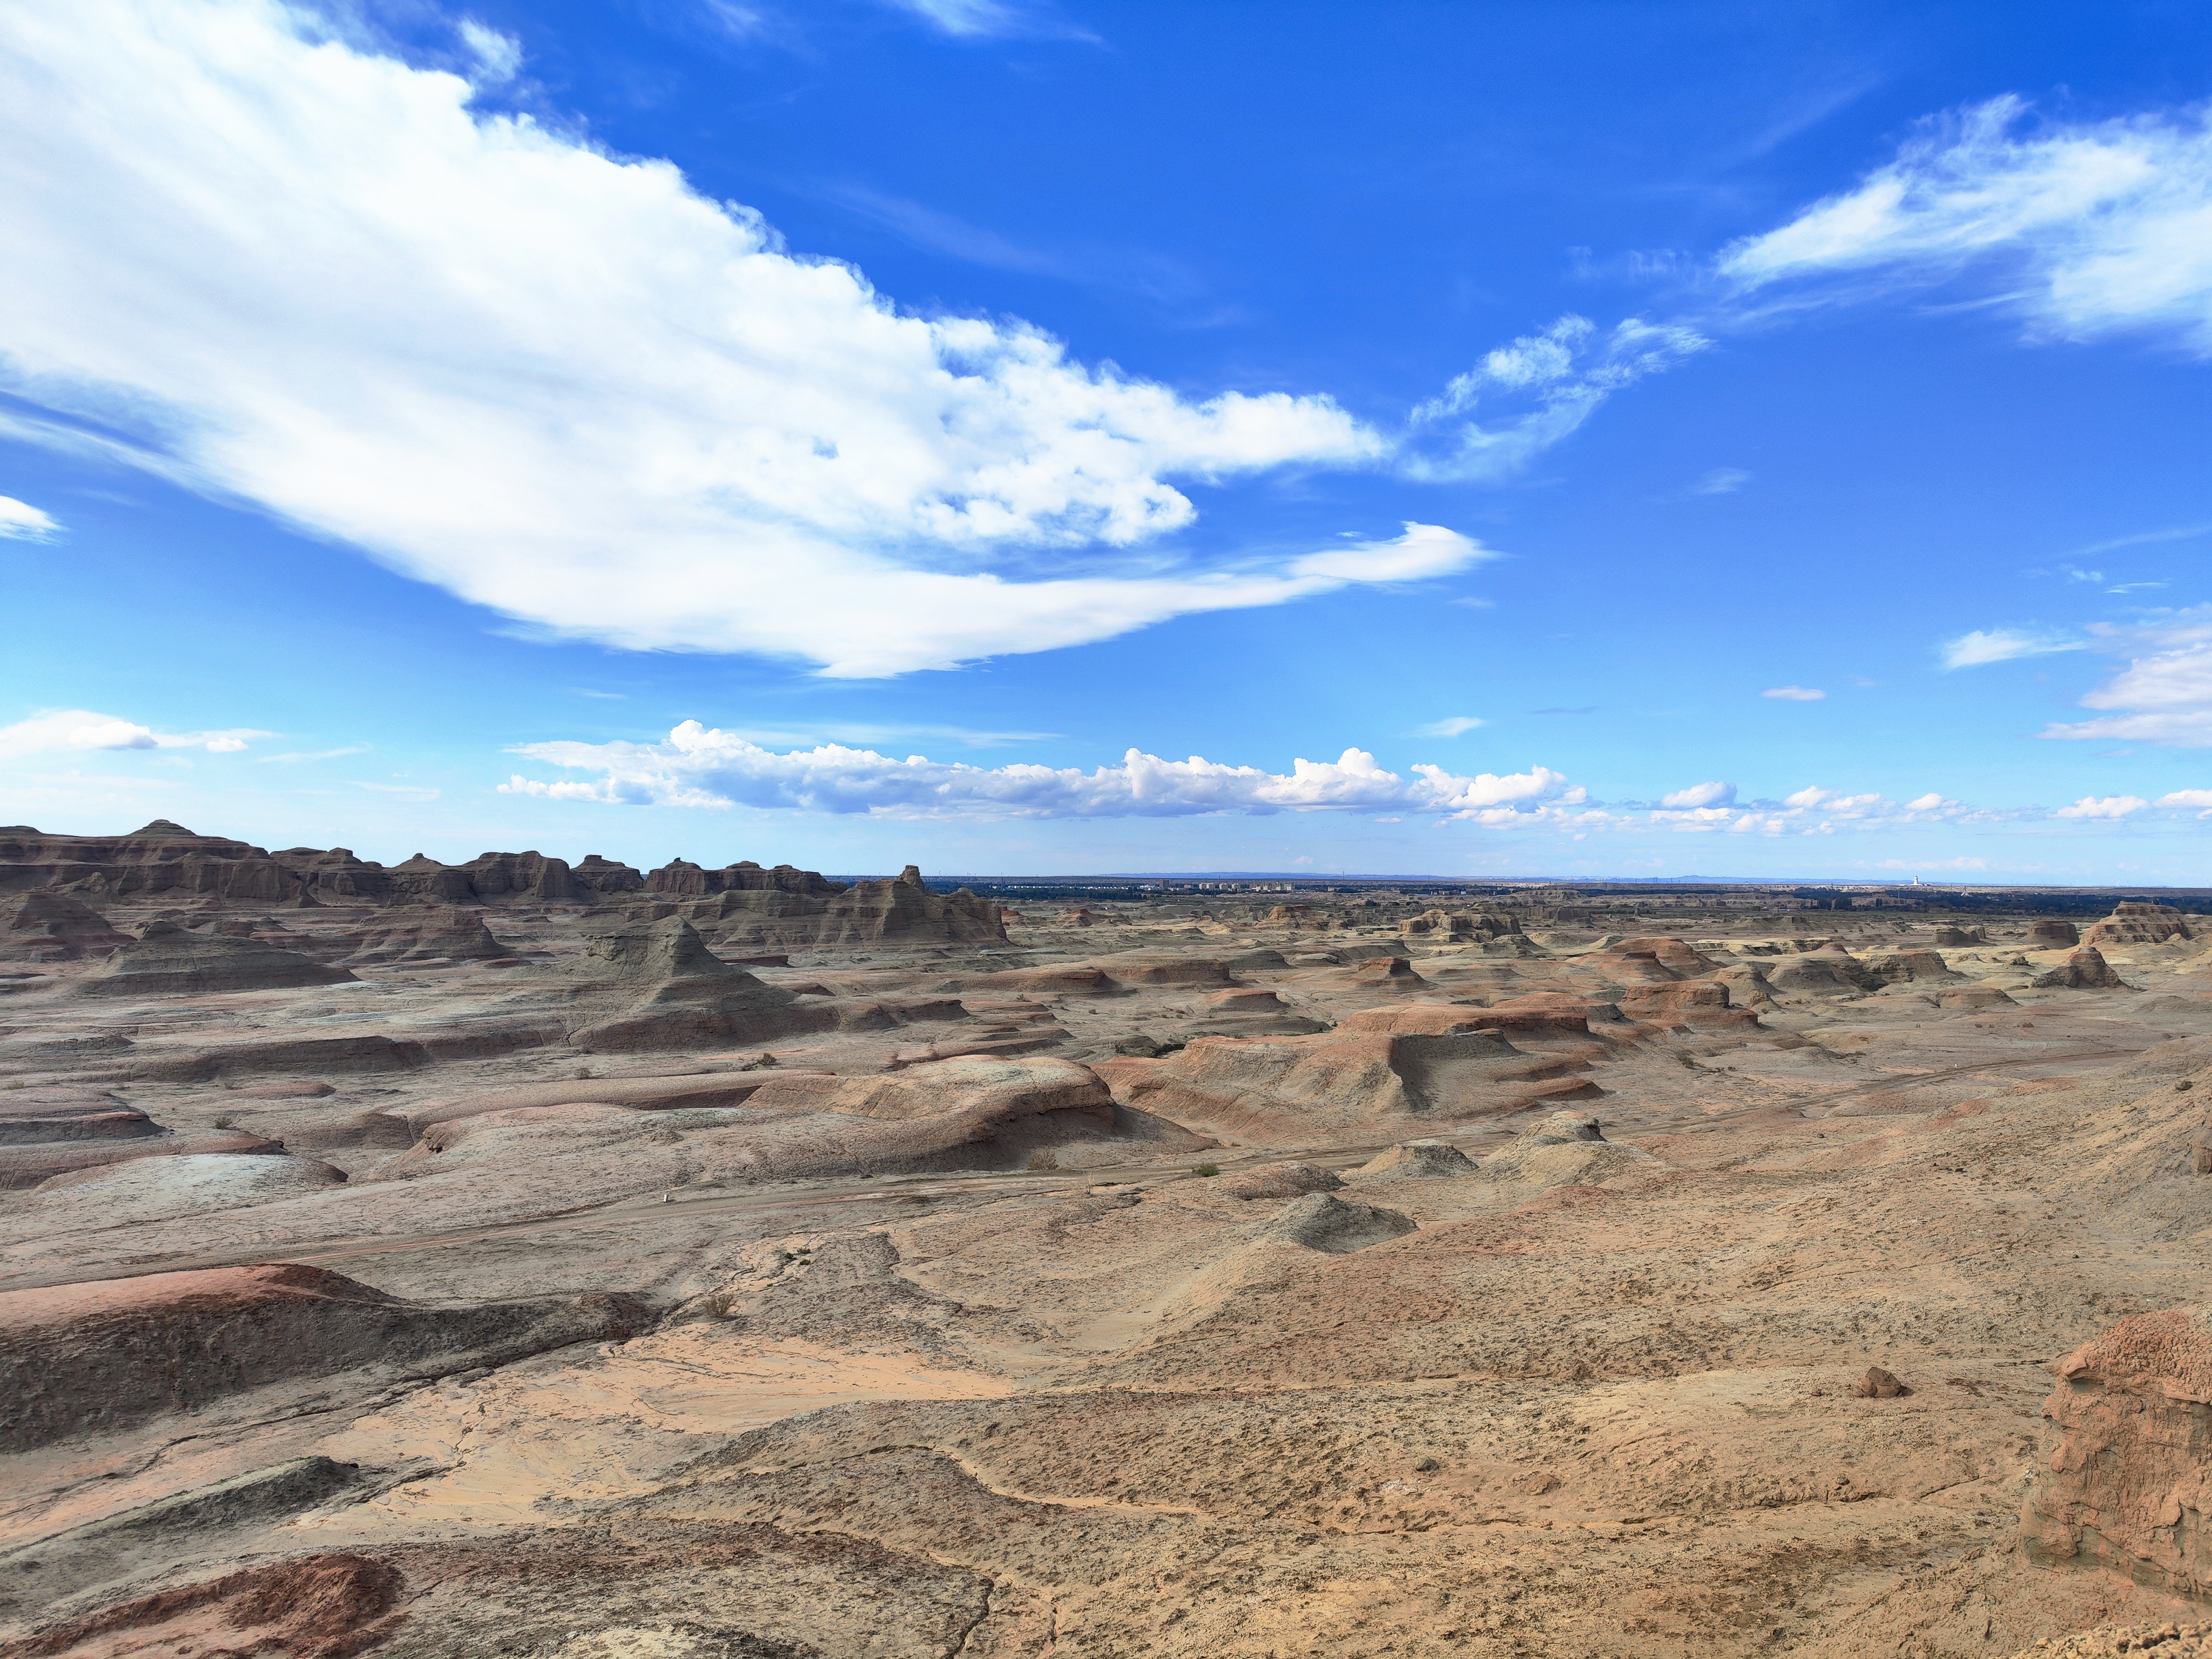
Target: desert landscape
(537, 1258)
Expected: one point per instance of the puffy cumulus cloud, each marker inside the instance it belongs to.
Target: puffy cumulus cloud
(1545, 384)
(1985, 646)
(1699, 794)
(2190, 798)
(280, 268)
(2100, 226)
(2105, 806)
(701, 766)
(2164, 695)
(1793, 693)
(65, 730)
(24, 522)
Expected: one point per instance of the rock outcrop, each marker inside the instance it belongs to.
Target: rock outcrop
(429, 933)
(55, 927)
(2134, 923)
(2123, 1484)
(1414, 1160)
(783, 908)
(161, 859)
(1829, 971)
(165, 960)
(680, 994)
(1459, 926)
(1899, 967)
(2051, 932)
(2085, 970)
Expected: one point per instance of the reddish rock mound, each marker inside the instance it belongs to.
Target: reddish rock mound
(317, 1607)
(2123, 1485)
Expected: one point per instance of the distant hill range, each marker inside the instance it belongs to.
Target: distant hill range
(741, 903)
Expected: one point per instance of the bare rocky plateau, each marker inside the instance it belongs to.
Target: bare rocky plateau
(536, 1259)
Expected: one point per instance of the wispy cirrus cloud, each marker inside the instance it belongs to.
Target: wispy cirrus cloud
(2164, 695)
(80, 730)
(1793, 693)
(2088, 227)
(1544, 387)
(1982, 646)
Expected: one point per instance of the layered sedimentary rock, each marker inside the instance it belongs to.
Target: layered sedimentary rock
(677, 994)
(2051, 932)
(1459, 926)
(1829, 971)
(2133, 923)
(429, 933)
(784, 907)
(679, 878)
(1893, 967)
(2085, 970)
(163, 858)
(55, 927)
(2123, 1484)
(165, 960)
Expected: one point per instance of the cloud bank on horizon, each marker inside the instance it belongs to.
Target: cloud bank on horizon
(703, 766)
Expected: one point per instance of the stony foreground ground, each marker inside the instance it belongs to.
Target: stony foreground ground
(1071, 1294)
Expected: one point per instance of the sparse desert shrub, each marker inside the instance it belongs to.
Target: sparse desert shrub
(1045, 1159)
(582, 1072)
(1206, 1168)
(226, 1122)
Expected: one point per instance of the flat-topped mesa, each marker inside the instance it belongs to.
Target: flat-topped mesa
(163, 858)
(785, 906)
(680, 878)
(2136, 923)
(492, 878)
(1457, 925)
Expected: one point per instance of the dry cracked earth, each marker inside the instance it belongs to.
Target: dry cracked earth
(457, 1275)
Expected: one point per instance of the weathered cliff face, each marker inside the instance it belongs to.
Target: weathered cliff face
(161, 859)
(2133, 923)
(803, 910)
(2123, 1482)
(679, 878)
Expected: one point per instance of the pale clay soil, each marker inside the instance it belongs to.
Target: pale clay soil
(872, 1384)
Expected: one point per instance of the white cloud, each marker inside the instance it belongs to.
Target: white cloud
(1985, 646)
(566, 385)
(2164, 693)
(1699, 794)
(297, 759)
(1566, 373)
(2201, 798)
(2100, 226)
(1793, 693)
(699, 766)
(1456, 725)
(1720, 481)
(81, 730)
(24, 522)
(498, 57)
(2108, 806)
(966, 18)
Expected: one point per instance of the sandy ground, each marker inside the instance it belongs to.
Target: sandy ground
(966, 1333)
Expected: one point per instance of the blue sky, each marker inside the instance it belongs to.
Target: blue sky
(1478, 440)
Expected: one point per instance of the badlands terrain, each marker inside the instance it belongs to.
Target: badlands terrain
(532, 1258)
